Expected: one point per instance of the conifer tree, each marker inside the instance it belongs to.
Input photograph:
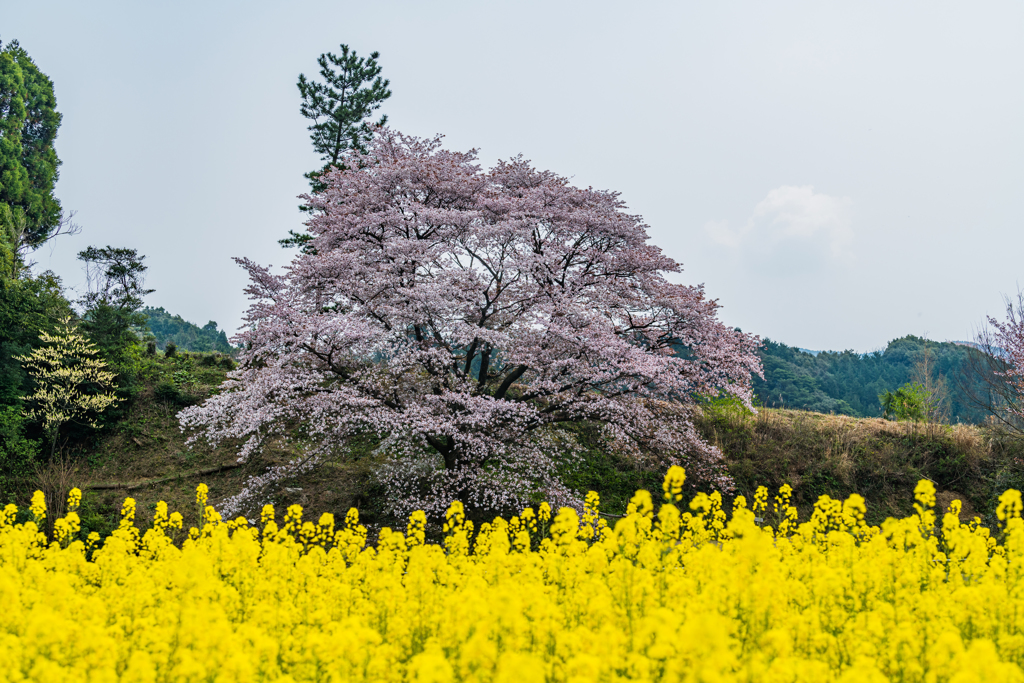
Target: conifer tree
(351, 91)
(116, 277)
(29, 212)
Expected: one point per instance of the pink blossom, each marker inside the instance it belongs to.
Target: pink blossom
(466, 317)
(1008, 339)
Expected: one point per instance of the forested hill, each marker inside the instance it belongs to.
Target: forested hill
(848, 383)
(185, 335)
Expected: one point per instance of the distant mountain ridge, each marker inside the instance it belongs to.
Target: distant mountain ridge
(848, 383)
(185, 335)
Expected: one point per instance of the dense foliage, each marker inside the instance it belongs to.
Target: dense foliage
(850, 383)
(669, 595)
(29, 212)
(71, 382)
(338, 108)
(183, 334)
(909, 402)
(463, 317)
(29, 306)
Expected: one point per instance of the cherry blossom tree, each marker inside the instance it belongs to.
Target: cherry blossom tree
(1003, 348)
(465, 318)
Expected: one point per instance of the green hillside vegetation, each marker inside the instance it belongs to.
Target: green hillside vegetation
(144, 455)
(848, 383)
(143, 441)
(185, 335)
(836, 455)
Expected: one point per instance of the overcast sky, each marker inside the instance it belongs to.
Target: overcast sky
(837, 174)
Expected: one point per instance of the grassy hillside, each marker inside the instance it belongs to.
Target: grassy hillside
(837, 455)
(144, 455)
(143, 444)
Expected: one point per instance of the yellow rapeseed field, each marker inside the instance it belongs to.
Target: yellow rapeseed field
(667, 595)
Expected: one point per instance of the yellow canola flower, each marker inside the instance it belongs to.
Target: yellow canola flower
(74, 499)
(673, 484)
(672, 593)
(38, 507)
(202, 493)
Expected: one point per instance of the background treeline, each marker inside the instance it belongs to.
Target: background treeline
(849, 383)
(183, 334)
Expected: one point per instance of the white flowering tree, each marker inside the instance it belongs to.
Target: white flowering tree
(465, 317)
(72, 383)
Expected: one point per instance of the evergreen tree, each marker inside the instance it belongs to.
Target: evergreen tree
(29, 212)
(116, 279)
(339, 107)
(29, 306)
(911, 402)
(29, 215)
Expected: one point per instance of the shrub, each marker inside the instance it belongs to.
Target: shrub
(169, 392)
(912, 401)
(17, 453)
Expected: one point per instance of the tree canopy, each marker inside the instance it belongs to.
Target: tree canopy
(116, 278)
(29, 212)
(464, 317)
(338, 108)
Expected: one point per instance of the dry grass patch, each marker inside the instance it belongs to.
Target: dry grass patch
(837, 455)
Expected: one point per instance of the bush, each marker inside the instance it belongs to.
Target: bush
(910, 402)
(216, 360)
(151, 348)
(168, 392)
(17, 453)
(171, 350)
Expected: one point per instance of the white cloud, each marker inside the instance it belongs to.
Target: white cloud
(789, 222)
(721, 233)
(800, 212)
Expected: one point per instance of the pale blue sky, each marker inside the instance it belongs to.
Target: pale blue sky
(837, 174)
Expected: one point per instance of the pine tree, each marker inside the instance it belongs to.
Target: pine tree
(339, 108)
(116, 277)
(29, 212)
